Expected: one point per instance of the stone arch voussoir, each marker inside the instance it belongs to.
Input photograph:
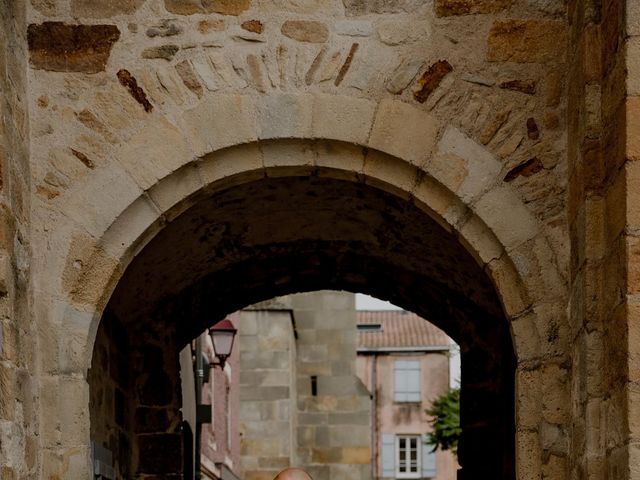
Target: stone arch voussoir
(392, 145)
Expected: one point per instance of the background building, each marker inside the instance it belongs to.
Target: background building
(404, 362)
(218, 440)
(337, 392)
(302, 403)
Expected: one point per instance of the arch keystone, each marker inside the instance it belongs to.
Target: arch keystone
(342, 118)
(284, 116)
(221, 121)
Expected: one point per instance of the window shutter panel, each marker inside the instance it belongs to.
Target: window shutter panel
(401, 383)
(388, 455)
(429, 469)
(413, 385)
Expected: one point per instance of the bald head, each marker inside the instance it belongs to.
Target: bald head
(293, 474)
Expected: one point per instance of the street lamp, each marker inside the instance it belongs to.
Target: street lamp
(222, 335)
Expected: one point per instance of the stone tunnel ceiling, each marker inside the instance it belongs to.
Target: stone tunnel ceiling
(281, 235)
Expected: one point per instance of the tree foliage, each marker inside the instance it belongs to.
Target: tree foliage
(445, 411)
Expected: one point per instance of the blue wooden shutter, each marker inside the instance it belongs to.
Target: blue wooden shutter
(407, 381)
(401, 382)
(388, 455)
(429, 468)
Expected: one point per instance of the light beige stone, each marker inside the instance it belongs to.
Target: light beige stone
(342, 118)
(633, 66)
(129, 227)
(404, 131)
(509, 285)
(509, 219)
(244, 159)
(221, 121)
(157, 150)
(305, 31)
(475, 166)
(390, 173)
(285, 116)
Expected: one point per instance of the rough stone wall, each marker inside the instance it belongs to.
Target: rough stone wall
(20, 455)
(267, 393)
(598, 213)
(134, 407)
(111, 406)
(284, 422)
(471, 92)
(333, 437)
(632, 230)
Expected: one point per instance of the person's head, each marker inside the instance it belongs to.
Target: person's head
(293, 474)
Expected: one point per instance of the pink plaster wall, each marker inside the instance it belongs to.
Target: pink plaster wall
(407, 418)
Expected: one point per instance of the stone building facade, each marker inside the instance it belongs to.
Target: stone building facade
(167, 162)
(301, 402)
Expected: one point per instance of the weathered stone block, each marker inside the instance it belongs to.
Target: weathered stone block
(154, 152)
(633, 18)
(527, 41)
(284, 116)
(390, 173)
(7, 392)
(254, 26)
(527, 86)
(430, 80)
(366, 7)
(402, 130)
(342, 118)
(57, 47)
(104, 9)
(221, 121)
(510, 220)
(445, 8)
(305, 31)
(463, 165)
(633, 128)
(165, 52)
(224, 7)
(225, 163)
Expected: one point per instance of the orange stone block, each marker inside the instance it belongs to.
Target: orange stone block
(527, 41)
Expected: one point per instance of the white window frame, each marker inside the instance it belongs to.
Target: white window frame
(408, 438)
(401, 367)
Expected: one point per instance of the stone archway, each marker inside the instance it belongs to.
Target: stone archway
(289, 232)
(100, 267)
(159, 163)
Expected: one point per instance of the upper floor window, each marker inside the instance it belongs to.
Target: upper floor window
(407, 381)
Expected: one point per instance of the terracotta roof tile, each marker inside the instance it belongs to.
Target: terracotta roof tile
(399, 329)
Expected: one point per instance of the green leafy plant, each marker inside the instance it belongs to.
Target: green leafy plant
(445, 411)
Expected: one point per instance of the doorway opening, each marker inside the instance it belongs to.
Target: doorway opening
(268, 237)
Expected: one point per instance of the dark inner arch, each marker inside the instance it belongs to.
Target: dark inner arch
(285, 235)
